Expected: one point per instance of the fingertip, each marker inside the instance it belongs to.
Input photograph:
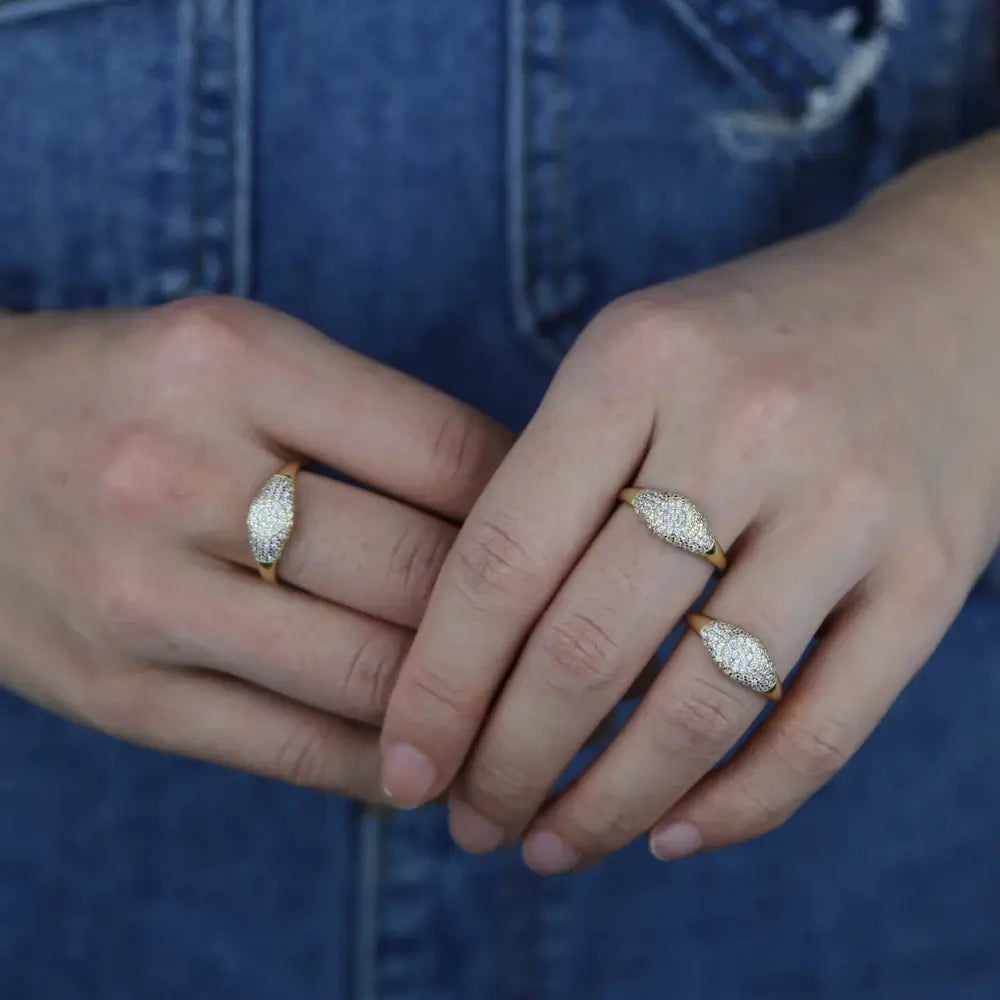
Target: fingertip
(546, 853)
(675, 841)
(408, 776)
(473, 831)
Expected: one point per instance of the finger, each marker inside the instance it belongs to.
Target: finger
(612, 614)
(228, 620)
(694, 713)
(851, 680)
(225, 721)
(350, 546)
(533, 521)
(376, 425)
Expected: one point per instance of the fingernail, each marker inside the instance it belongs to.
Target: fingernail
(675, 841)
(407, 775)
(472, 831)
(548, 854)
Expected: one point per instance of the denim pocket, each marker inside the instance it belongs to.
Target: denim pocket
(805, 67)
(123, 151)
(649, 139)
(635, 122)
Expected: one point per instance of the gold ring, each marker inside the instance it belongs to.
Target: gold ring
(271, 519)
(677, 521)
(742, 657)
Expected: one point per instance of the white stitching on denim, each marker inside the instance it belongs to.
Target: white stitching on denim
(826, 105)
(524, 316)
(243, 140)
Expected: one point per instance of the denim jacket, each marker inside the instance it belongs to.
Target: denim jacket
(455, 188)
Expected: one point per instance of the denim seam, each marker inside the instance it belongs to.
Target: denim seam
(518, 926)
(524, 315)
(243, 144)
(188, 32)
(368, 899)
(409, 870)
(547, 284)
(213, 158)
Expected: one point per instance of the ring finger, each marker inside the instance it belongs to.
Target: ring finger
(349, 546)
(694, 714)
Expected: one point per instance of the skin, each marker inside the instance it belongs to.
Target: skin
(131, 445)
(832, 405)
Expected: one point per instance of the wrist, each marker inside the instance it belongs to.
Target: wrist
(948, 204)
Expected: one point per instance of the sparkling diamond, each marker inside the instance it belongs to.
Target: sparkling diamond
(741, 656)
(271, 518)
(675, 520)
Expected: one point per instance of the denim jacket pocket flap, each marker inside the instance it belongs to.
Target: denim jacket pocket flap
(800, 66)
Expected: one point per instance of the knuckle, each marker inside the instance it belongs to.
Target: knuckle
(932, 567)
(704, 721)
(460, 454)
(499, 787)
(493, 566)
(861, 493)
(304, 757)
(815, 750)
(201, 337)
(416, 561)
(439, 701)
(753, 811)
(638, 315)
(583, 654)
(371, 673)
(642, 330)
(601, 824)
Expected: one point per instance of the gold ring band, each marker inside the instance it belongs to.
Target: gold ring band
(741, 656)
(271, 518)
(676, 520)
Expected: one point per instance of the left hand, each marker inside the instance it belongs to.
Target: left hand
(831, 404)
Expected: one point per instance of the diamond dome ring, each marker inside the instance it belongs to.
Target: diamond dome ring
(742, 657)
(271, 519)
(677, 521)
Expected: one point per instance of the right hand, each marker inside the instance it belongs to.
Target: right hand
(131, 445)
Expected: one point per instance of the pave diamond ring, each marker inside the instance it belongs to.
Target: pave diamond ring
(271, 518)
(739, 655)
(677, 521)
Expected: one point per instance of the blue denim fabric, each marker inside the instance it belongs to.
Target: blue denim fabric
(455, 188)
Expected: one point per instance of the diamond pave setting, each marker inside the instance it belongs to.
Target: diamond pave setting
(271, 519)
(740, 656)
(676, 520)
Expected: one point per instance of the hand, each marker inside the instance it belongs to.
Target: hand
(131, 445)
(831, 405)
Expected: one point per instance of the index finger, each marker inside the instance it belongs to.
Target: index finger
(523, 536)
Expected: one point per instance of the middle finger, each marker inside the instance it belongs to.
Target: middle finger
(225, 619)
